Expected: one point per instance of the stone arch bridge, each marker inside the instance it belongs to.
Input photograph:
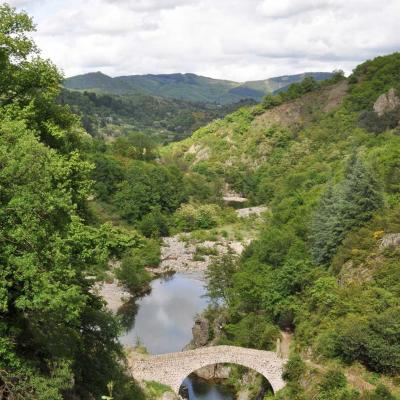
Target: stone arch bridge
(171, 369)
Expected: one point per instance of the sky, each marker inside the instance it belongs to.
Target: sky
(227, 39)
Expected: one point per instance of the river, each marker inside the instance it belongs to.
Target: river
(162, 321)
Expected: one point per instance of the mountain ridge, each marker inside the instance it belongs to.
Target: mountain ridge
(186, 86)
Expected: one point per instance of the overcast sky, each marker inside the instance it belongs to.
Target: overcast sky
(230, 39)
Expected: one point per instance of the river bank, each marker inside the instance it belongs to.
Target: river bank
(161, 320)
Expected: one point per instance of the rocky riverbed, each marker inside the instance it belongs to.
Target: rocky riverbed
(181, 255)
(113, 294)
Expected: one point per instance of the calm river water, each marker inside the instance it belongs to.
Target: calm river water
(162, 321)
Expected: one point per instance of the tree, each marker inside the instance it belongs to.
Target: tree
(148, 186)
(220, 277)
(362, 194)
(253, 331)
(107, 174)
(154, 224)
(344, 207)
(136, 145)
(326, 228)
(53, 328)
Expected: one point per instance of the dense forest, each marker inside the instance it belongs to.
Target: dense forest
(107, 115)
(324, 157)
(326, 264)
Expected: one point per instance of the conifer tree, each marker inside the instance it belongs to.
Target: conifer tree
(342, 208)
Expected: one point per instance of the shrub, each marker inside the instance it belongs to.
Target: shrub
(333, 380)
(381, 393)
(191, 216)
(294, 369)
(372, 122)
(132, 273)
(154, 224)
(372, 341)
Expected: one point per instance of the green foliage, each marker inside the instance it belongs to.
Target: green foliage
(333, 192)
(373, 340)
(164, 119)
(135, 145)
(147, 187)
(53, 329)
(298, 89)
(29, 386)
(220, 277)
(154, 224)
(372, 122)
(343, 208)
(107, 174)
(294, 369)
(381, 393)
(155, 390)
(132, 271)
(201, 189)
(252, 331)
(192, 216)
(371, 79)
(189, 87)
(334, 386)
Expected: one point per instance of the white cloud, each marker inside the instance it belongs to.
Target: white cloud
(18, 3)
(231, 39)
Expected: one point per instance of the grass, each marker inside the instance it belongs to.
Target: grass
(206, 251)
(155, 389)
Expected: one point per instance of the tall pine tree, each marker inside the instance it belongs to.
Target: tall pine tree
(342, 208)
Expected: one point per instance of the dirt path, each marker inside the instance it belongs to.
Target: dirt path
(354, 380)
(286, 340)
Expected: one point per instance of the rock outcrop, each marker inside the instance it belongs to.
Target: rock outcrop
(200, 332)
(247, 212)
(387, 102)
(390, 240)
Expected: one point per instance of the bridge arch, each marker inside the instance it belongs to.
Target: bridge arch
(230, 364)
(171, 369)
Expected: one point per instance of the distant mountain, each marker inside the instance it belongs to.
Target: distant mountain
(188, 87)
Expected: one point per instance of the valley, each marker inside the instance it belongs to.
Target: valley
(276, 157)
(243, 237)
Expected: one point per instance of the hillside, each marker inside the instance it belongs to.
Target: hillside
(165, 119)
(245, 139)
(325, 160)
(189, 87)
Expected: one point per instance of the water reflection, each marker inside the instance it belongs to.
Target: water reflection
(164, 318)
(127, 313)
(195, 388)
